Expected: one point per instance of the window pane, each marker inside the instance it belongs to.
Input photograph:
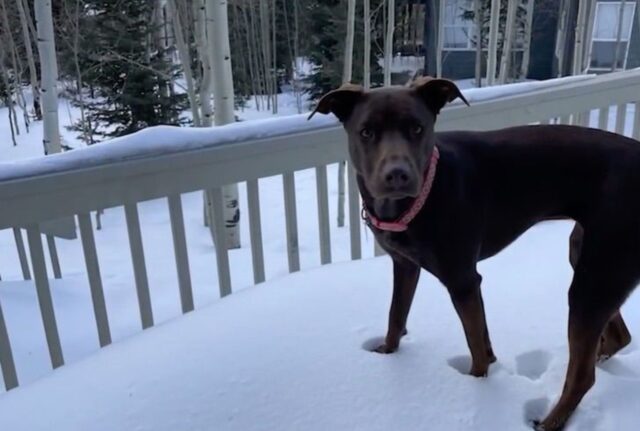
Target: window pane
(606, 23)
(453, 11)
(603, 53)
(456, 37)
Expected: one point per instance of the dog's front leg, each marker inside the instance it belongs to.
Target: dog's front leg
(467, 300)
(405, 280)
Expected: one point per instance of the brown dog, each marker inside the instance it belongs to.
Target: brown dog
(444, 201)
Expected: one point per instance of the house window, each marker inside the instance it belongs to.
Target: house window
(458, 32)
(605, 33)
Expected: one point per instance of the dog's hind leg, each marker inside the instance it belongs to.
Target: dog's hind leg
(575, 244)
(604, 276)
(616, 335)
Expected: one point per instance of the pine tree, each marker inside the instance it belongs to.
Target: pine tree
(327, 28)
(126, 73)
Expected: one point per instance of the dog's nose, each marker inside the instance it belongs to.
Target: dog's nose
(397, 177)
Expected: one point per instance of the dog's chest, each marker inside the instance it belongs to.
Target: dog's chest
(416, 248)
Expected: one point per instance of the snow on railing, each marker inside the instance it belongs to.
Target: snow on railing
(166, 162)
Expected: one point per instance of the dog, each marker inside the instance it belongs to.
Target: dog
(445, 201)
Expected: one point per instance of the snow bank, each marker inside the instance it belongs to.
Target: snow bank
(288, 355)
(162, 140)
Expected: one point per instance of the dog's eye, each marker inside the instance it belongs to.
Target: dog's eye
(416, 130)
(366, 133)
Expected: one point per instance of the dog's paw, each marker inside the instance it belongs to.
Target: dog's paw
(385, 349)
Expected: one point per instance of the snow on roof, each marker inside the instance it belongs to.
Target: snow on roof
(288, 355)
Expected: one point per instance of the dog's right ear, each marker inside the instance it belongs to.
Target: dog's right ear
(340, 102)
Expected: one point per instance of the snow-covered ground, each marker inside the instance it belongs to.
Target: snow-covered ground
(287, 354)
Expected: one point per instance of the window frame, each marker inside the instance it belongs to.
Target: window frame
(626, 39)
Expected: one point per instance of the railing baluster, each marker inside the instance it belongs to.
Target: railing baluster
(7, 365)
(255, 231)
(180, 251)
(222, 254)
(322, 195)
(621, 117)
(291, 220)
(44, 296)
(95, 280)
(53, 254)
(139, 266)
(22, 253)
(603, 118)
(636, 122)
(354, 214)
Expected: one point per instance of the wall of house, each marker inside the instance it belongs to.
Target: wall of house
(460, 64)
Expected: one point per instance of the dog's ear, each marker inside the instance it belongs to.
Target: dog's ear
(436, 92)
(340, 102)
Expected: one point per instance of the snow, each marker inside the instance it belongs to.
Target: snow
(162, 140)
(289, 355)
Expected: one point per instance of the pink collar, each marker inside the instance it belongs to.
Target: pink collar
(402, 223)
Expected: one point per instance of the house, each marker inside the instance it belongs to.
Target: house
(553, 31)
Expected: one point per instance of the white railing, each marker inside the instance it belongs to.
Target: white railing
(166, 162)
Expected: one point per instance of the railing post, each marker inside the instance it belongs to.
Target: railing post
(354, 214)
(22, 254)
(324, 229)
(636, 122)
(139, 266)
(95, 280)
(7, 365)
(255, 231)
(291, 220)
(180, 250)
(44, 296)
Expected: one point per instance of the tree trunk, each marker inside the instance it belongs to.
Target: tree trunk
(266, 49)
(205, 63)
(579, 38)
(388, 41)
(296, 33)
(33, 74)
(492, 54)
(505, 63)
(274, 59)
(616, 52)
(367, 44)
(478, 15)
(526, 54)
(346, 77)
(49, 74)
(223, 95)
(430, 42)
(440, 8)
(185, 58)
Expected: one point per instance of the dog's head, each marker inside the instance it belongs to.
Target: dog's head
(390, 131)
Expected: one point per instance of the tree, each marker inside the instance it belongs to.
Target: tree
(127, 73)
(493, 42)
(346, 78)
(25, 22)
(223, 94)
(508, 40)
(388, 41)
(49, 74)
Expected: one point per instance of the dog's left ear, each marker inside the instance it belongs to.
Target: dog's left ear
(437, 92)
(340, 102)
